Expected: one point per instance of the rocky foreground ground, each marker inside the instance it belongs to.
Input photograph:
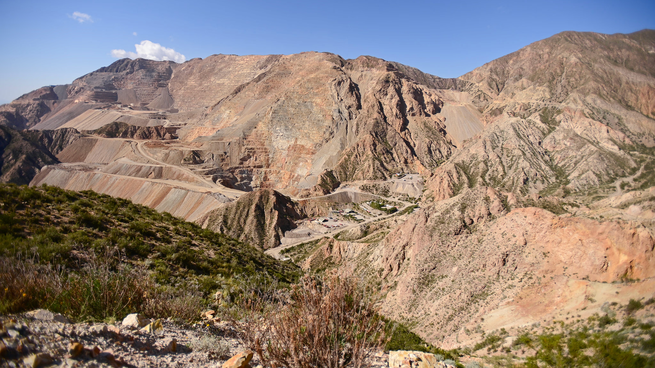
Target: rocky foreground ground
(41, 338)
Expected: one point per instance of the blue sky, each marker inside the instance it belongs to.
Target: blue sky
(54, 42)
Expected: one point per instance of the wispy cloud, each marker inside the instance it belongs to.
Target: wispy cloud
(134, 33)
(150, 50)
(81, 17)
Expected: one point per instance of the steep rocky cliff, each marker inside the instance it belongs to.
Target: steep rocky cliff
(573, 68)
(307, 113)
(27, 110)
(136, 83)
(546, 212)
(124, 130)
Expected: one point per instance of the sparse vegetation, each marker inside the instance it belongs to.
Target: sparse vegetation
(382, 205)
(378, 189)
(300, 252)
(103, 288)
(547, 116)
(408, 209)
(595, 342)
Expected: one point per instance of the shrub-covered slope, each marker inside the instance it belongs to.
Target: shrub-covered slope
(46, 228)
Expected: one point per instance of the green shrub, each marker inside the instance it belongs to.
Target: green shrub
(401, 338)
(605, 320)
(84, 218)
(633, 306)
(490, 341)
(629, 322)
(140, 229)
(649, 344)
(524, 339)
(135, 247)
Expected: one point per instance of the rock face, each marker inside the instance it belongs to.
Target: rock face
(570, 66)
(563, 113)
(411, 359)
(188, 202)
(27, 110)
(303, 114)
(136, 83)
(46, 315)
(259, 218)
(124, 130)
(134, 320)
(240, 360)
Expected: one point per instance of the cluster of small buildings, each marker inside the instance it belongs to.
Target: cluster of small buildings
(327, 222)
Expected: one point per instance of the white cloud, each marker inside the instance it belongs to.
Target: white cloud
(134, 33)
(150, 50)
(81, 17)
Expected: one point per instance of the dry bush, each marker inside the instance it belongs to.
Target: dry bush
(211, 345)
(105, 287)
(328, 322)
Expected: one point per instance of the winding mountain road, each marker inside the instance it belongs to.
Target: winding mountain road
(213, 187)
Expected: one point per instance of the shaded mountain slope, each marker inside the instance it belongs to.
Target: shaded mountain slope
(24, 153)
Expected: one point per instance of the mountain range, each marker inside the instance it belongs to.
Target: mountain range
(536, 196)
